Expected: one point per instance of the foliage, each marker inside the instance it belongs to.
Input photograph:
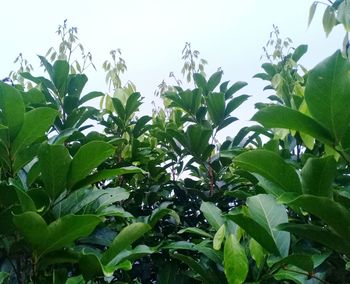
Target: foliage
(158, 199)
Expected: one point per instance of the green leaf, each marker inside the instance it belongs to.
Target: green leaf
(119, 108)
(266, 212)
(198, 138)
(235, 103)
(235, 261)
(195, 231)
(159, 213)
(3, 277)
(54, 162)
(219, 237)
(76, 85)
(257, 252)
(320, 235)
(318, 175)
(234, 88)
(60, 76)
(329, 20)
(139, 127)
(214, 81)
(90, 96)
(212, 214)
(12, 111)
(88, 157)
(301, 261)
(200, 81)
(271, 166)
(331, 212)
(132, 104)
(124, 239)
(344, 14)
(27, 204)
(326, 94)
(299, 52)
(108, 174)
(294, 120)
(36, 123)
(256, 231)
(312, 12)
(216, 107)
(75, 280)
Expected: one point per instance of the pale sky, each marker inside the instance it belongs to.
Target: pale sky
(151, 34)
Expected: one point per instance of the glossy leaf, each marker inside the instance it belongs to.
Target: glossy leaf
(212, 214)
(124, 239)
(293, 120)
(88, 157)
(235, 261)
(219, 237)
(326, 94)
(159, 213)
(216, 107)
(54, 162)
(318, 175)
(195, 231)
(271, 166)
(257, 252)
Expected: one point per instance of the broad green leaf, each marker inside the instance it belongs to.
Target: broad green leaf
(27, 204)
(3, 277)
(234, 88)
(331, 212)
(48, 66)
(139, 127)
(124, 239)
(119, 108)
(108, 174)
(265, 211)
(318, 175)
(76, 85)
(195, 231)
(76, 280)
(235, 261)
(88, 157)
(214, 81)
(257, 252)
(25, 156)
(159, 213)
(318, 234)
(212, 214)
(219, 237)
(302, 261)
(216, 107)
(326, 94)
(235, 103)
(329, 20)
(132, 255)
(293, 120)
(206, 276)
(271, 166)
(60, 76)
(36, 123)
(344, 14)
(198, 138)
(54, 162)
(299, 52)
(33, 228)
(132, 104)
(312, 11)
(200, 81)
(112, 195)
(90, 96)
(12, 111)
(256, 231)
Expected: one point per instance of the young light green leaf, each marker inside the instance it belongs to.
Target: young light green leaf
(235, 261)
(195, 231)
(257, 252)
(219, 237)
(329, 20)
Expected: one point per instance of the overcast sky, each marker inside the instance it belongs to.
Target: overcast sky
(151, 34)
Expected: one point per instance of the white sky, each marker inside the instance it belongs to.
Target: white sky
(151, 34)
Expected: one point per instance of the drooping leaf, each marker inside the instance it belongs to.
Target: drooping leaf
(159, 213)
(326, 94)
(318, 175)
(54, 162)
(312, 12)
(271, 166)
(329, 20)
(344, 14)
(235, 261)
(88, 157)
